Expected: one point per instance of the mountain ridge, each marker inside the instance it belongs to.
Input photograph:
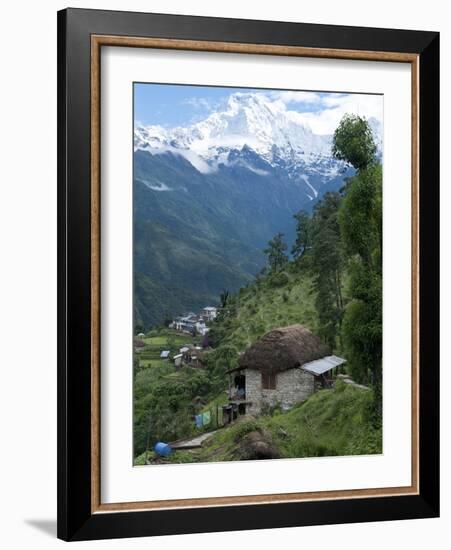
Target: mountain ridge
(209, 196)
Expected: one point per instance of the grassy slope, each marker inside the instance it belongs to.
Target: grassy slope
(329, 423)
(277, 300)
(167, 395)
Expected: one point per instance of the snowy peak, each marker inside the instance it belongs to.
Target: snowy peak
(257, 133)
(248, 119)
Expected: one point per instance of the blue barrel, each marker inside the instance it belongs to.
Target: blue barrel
(162, 449)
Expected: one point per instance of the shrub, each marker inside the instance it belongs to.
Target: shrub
(245, 427)
(277, 280)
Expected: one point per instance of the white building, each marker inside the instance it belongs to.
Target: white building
(210, 313)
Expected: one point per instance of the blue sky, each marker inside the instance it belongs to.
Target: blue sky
(171, 105)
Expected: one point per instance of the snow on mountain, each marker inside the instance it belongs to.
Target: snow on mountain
(256, 132)
(250, 119)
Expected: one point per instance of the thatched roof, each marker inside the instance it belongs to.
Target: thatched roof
(282, 349)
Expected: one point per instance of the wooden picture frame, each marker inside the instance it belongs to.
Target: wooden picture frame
(81, 35)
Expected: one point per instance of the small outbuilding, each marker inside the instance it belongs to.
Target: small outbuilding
(177, 360)
(192, 356)
(282, 368)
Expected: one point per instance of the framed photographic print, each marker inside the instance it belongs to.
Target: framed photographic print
(248, 274)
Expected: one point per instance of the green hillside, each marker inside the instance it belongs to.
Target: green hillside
(274, 300)
(336, 422)
(195, 234)
(164, 398)
(329, 281)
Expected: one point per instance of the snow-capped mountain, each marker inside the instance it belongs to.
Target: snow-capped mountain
(252, 121)
(208, 196)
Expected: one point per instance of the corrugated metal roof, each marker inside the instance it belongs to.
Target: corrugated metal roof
(323, 365)
(164, 354)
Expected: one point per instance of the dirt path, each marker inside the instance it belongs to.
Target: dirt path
(193, 443)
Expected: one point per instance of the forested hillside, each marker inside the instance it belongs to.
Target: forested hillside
(330, 281)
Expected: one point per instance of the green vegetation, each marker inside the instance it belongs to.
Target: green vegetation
(353, 142)
(329, 423)
(206, 233)
(360, 220)
(275, 299)
(333, 286)
(327, 267)
(163, 397)
(276, 252)
(333, 422)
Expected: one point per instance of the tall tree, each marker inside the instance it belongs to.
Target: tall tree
(223, 298)
(327, 266)
(353, 142)
(303, 234)
(276, 252)
(360, 221)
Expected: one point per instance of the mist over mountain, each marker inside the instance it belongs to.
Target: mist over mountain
(209, 195)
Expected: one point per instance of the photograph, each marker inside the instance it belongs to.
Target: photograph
(257, 274)
(248, 272)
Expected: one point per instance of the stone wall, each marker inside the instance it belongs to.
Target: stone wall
(292, 386)
(253, 391)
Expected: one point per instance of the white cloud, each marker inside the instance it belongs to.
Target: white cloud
(199, 103)
(324, 110)
(288, 96)
(334, 106)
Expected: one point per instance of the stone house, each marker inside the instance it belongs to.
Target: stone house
(282, 368)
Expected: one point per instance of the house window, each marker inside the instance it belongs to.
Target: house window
(269, 381)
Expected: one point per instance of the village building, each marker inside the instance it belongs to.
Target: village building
(195, 324)
(186, 324)
(283, 368)
(139, 345)
(209, 313)
(189, 355)
(177, 360)
(164, 354)
(192, 357)
(201, 328)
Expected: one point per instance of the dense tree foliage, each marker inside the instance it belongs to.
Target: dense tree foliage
(303, 234)
(353, 142)
(276, 252)
(360, 220)
(361, 226)
(326, 264)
